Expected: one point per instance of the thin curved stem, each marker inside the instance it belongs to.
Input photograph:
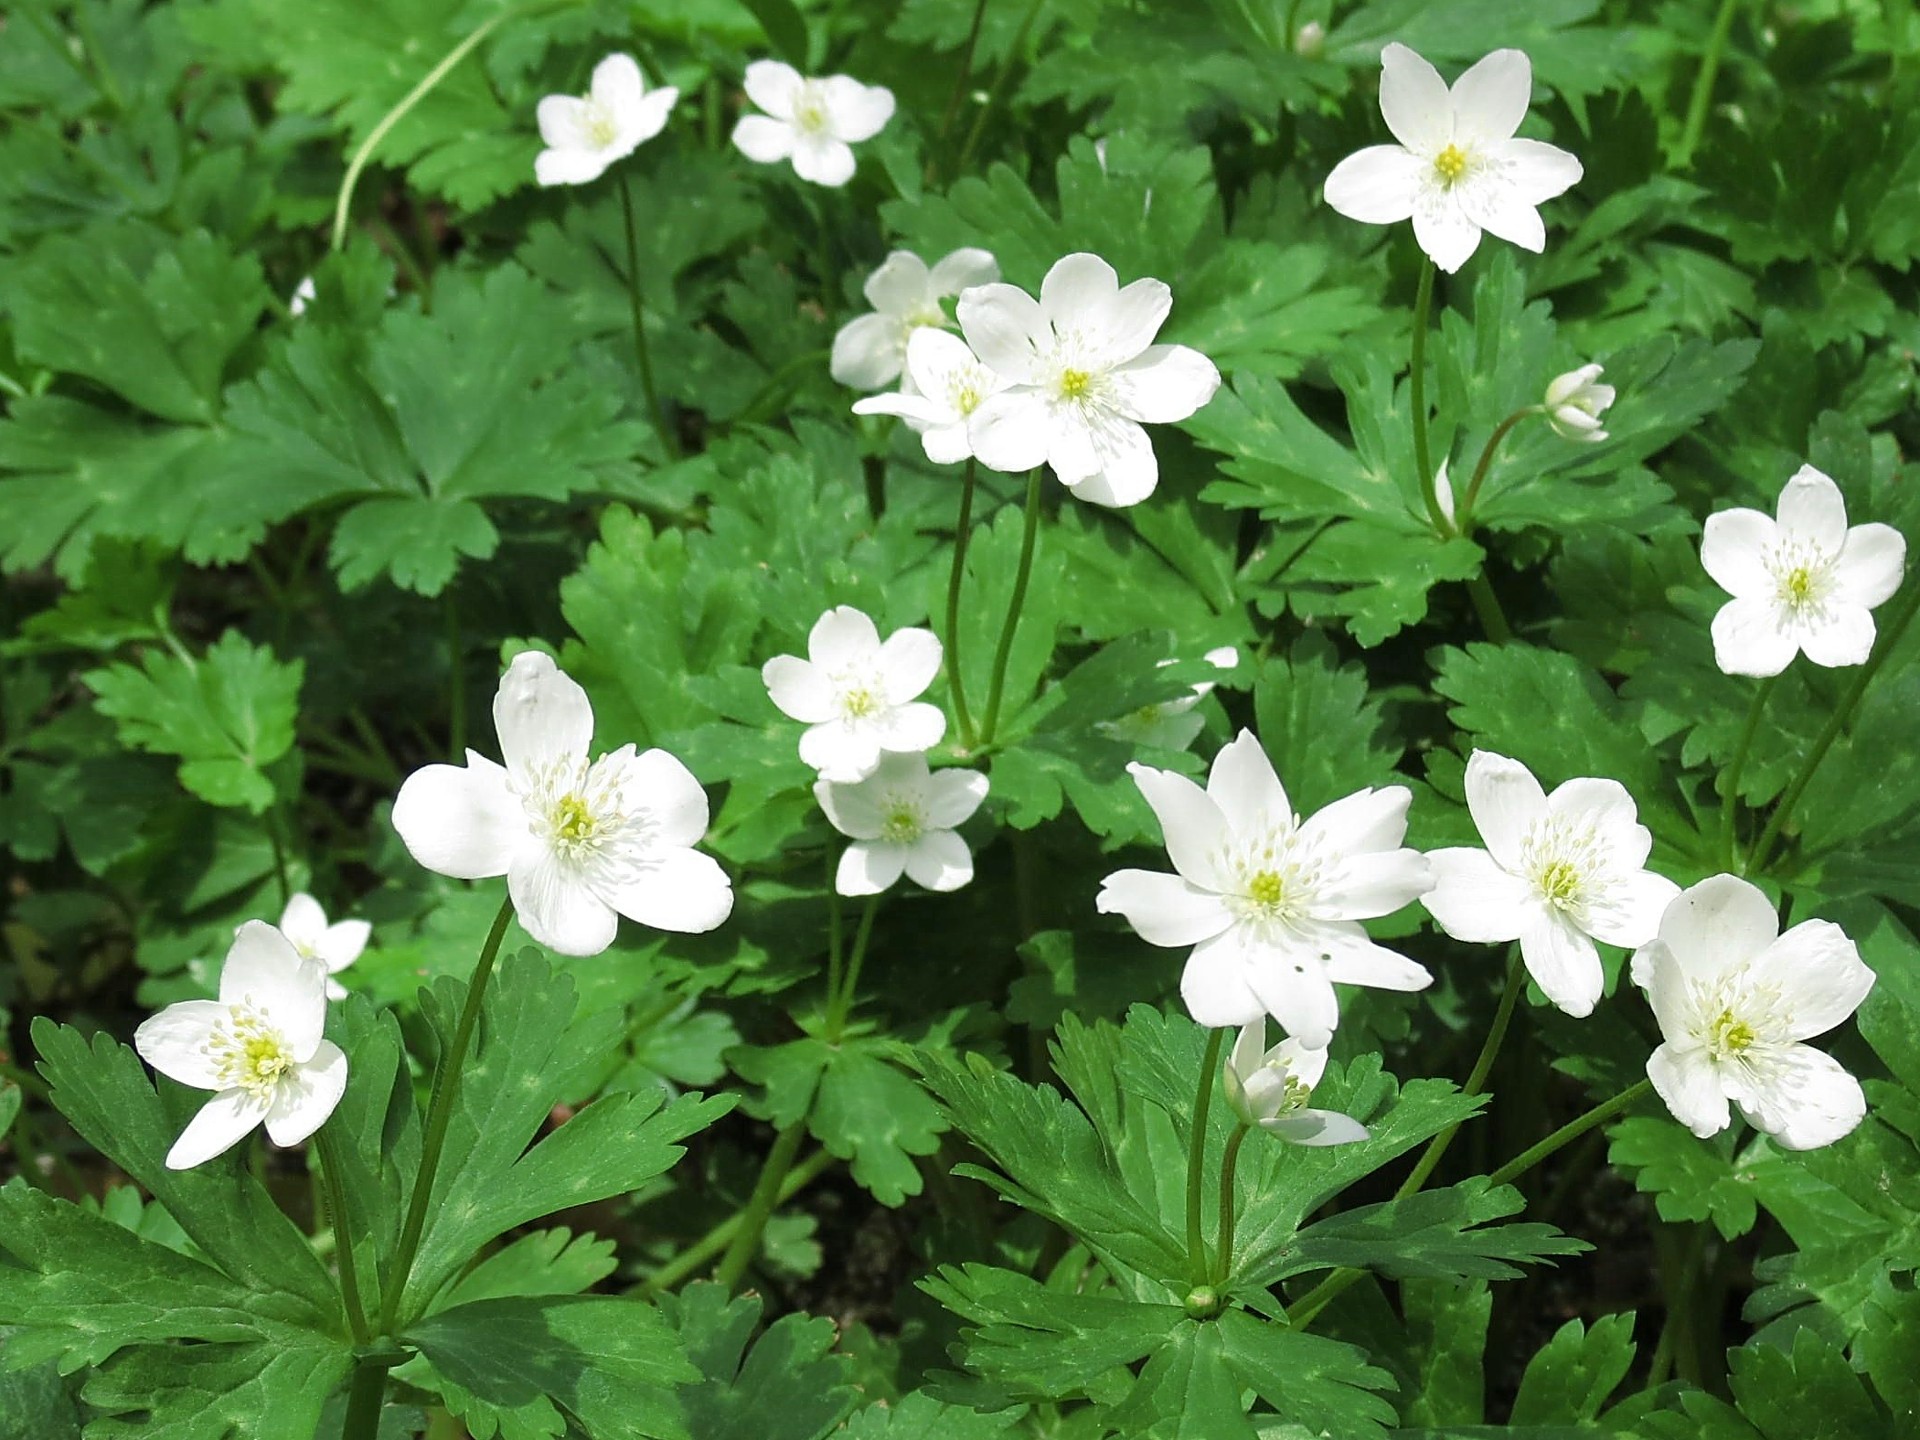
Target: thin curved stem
(1730, 801)
(1486, 605)
(336, 1196)
(1463, 512)
(1476, 1078)
(1229, 1170)
(760, 1207)
(961, 533)
(654, 413)
(999, 83)
(1004, 651)
(842, 1001)
(1702, 96)
(446, 1085)
(1417, 382)
(1197, 1156)
(965, 71)
(721, 1235)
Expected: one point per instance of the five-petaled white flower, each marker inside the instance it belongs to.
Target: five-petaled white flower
(1734, 999)
(1803, 582)
(948, 383)
(1559, 872)
(258, 1047)
(577, 842)
(1575, 402)
(1271, 1088)
(1084, 377)
(1458, 170)
(901, 819)
(587, 133)
(1270, 904)
(857, 697)
(1170, 724)
(335, 946)
(812, 122)
(869, 350)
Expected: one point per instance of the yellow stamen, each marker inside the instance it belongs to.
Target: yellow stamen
(1450, 164)
(1559, 884)
(1266, 890)
(572, 820)
(1074, 384)
(247, 1055)
(859, 702)
(1728, 1036)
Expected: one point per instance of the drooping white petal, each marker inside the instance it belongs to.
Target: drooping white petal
(1733, 550)
(542, 716)
(1473, 899)
(1562, 962)
(1844, 638)
(1163, 909)
(909, 729)
(1367, 885)
(174, 1042)
(1750, 638)
(1801, 1096)
(1605, 807)
(341, 944)
(1445, 231)
(1010, 432)
(562, 123)
(1627, 912)
(964, 268)
(1811, 509)
(671, 798)
(909, 659)
(1491, 98)
(223, 1122)
(557, 907)
(939, 860)
(306, 1095)
(867, 353)
(1244, 786)
(1293, 986)
(799, 689)
(1690, 1085)
(773, 86)
(1004, 326)
(1414, 100)
(265, 973)
(763, 139)
(569, 167)
(1164, 384)
(855, 111)
(1505, 802)
(900, 285)
(822, 159)
(1126, 470)
(1349, 957)
(916, 410)
(460, 821)
(841, 637)
(1214, 987)
(953, 796)
(1376, 186)
(946, 444)
(303, 922)
(869, 866)
(841, 752)
(1191, 823)
(1077, 286)
(1718, 924)
(1305, 1063)
(1816, 973)
(649, 117)
(1316, 1127)
(853, 810)
(1122, 326)
(1502, 211)
(684, 891)
(1871, 565)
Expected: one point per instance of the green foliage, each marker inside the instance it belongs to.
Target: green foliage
(1690, 1179)
(778, 1384)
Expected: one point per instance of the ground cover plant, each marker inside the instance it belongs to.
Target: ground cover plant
(727, 720)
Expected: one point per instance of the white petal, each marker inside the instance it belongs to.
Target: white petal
(1505, 802)
(1010, 432)
(562, 123)
(569, 167)
(963, 269)
(1733, 551)
(1214, 988)
(557, 907)
(1371, 884)
(1871, 565)
(946, 444)
(1317, 1127)
(1817, 973)
(869, 867)
(665, 792)
(1717, 925)
(935, 357)
(773, 86)
(910, 729)
(1537, 172)
(1079, 291)
(1376, 186)
(461, 821)
(868, 352)
(1163, 909)
(542, 716)
(303, 922)
(841, 752)
(900, 285)
(1627, 912)
(1473, 899)
(1502, 211)
(1304, 1062)
(1605, 808)
(684, 891)
(1244, 787)
(1491, 98)
(1191, 823)
(799, 689)
(222, 1123)
(1844, 636)
(919, 411)
(953, 796)
(1811, 510)
(1445, 231)
(342, 943)
(850, 809)
(306, 1095)
(1674, 1000)
(1290, 982)
(618, 85)
(1121, 328)
(335, 990)
(1563, 963)
(842, 637)
(1414, 100)
(939, 860)
(265, 972)
(1125, 472)
(762, 139)
(822, 160)
(174, 1042)
(1691, 1087)
(1005, 328)
(1163, 384)
(1802, 1097)
(909, 660)
(1348, 957)
(649, 117)
(1750, 638)
(1365, 822)
(856, 112)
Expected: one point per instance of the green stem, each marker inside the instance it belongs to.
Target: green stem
(1730, 802)
(1197, 1156)
(1229, 1166)
(717, 1239)
(341, 1224)
(842, 1001)
(654, 413)
(1004, 651)
(766, 1195)
(1889, 639)
(961, 532)
(965, 71)
(1476, 1078)
(1000, 79)
(1486, 605)
(1417, 380)
(366, 1398)
(1572, 1130)
(835, 954)
(446, 1085)
(1702, 95)
(1463, 511)
(272, 819)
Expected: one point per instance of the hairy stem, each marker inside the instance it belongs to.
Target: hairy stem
(337, 1219)
(842, 1000)
(1197, 1156)
(1229, 1169)
(1476, 1078)
(760, 1207)
(720, 1236)
(1004, 651)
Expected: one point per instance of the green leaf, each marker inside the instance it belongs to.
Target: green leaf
(784, 29)
(35, 1401)
(1320, 726)
(920, 1417)
(785, 1386)
(214, 1392)
(1446, 1329)
(227, 715)
(1689, 1178)
(1428, 1235)
(1569, 1379)
(1808, 1392)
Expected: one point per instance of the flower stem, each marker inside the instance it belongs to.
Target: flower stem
(1417, 381)
(965, 71)
(960, 535)
(1463, 512)
(1004, 651)
(842, 1000)
(760, 1207)
(1197, 1156)
(721, 1235)
(654, 413)
(1000, 79)
(367, 1397)
(1493, 620)
(446, 1085)
(1730, 802)
(337, 1218)
(1476, 1078)
(1889, 640)
(1702, 95)
(1229, 1166)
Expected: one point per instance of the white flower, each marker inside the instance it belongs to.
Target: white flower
(1734, 1002)
(336, 946)
(1271, 905)
(869, 350)
(586, 134)
(1803, 582)
(947, 384)
(856, 696)
(1443, 494)
(1458, 169)
(810, 121)
(1574, 404)
(901, 818)
(1084, 376)
(258, 1048)
(577, 842)
(1559, 872)
(1271, 1088)
(1170, 724)
(304, 294)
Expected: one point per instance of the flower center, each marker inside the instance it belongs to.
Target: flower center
(1728, 1036)
(1267, 890)
(902, 824)
(602, 128)
(1075, 384)
(810, 110)
(1560, 884)
(1802, 578)
(859, 702)
(1450, 164)
(573, 821)
(1294, 1093)
(1275, 876)
(1565, 864)
(248, 1054)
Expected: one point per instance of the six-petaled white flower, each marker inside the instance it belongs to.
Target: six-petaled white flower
(259, 1048)
(1803, 582)
(869, 350)
(902, 819)
(585, 134)
(948, 385)
(1271, 904)
(1271, 1088)
(811, 122)
(1735, 999)
(1084, 376)
(857, 697)
(1575, 401)
(1458, 170)
(1170, 724)
(580, 843)
(1559, 872)
(335, 946)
